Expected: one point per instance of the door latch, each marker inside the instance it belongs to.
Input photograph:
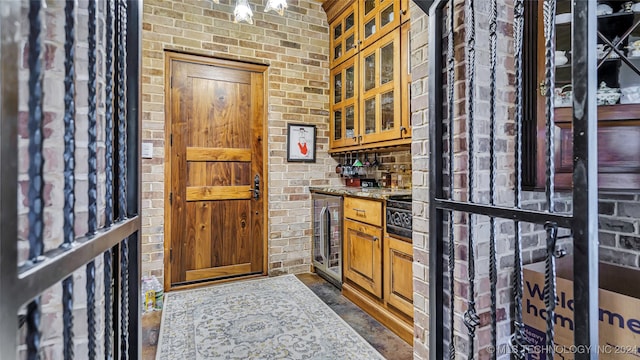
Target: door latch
(256, 187)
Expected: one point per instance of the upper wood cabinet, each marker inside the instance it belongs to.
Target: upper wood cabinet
(377, 67)
(404, 11)
(344, 123)
(380, 89)
(618, 118)
(377, 18)
(344, 35)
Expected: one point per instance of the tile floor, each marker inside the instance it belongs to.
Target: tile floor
(381, 338)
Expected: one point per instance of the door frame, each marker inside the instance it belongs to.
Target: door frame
(231, 64)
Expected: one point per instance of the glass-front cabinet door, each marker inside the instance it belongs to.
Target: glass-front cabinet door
(380, 89)
(344, 35)
(344, 128)
(378, 17)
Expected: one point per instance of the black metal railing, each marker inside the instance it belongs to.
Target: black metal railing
(115, 243)
(453, 203)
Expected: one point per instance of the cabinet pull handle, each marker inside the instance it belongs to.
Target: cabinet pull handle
(403, 12)
(375, 238)
(543, 88)
(403, 130)
(359, 210)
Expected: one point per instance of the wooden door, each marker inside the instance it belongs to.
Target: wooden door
(215, 113)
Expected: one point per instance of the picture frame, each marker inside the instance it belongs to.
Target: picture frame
(301, 143)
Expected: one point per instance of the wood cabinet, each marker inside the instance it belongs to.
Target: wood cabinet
(398, 275)
(376, 114)
(377, 268)
(344, 122)
(377, 18)
(344, 35)
(618, 117)
(363, 252)
(363, 243)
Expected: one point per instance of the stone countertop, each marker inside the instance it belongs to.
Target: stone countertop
(375, 193)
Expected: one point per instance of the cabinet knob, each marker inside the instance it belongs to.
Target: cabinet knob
(375, 238)
(403, 12)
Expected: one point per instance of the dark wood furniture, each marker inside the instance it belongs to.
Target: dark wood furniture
(618, 124)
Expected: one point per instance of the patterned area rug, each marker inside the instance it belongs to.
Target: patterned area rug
(268, 318)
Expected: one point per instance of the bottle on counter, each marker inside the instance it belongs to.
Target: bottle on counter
(386, 180)
(394, 180)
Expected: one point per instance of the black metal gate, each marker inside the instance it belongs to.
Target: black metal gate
(113, 236)
(454, 199)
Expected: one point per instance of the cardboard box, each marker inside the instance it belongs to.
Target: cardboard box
(619, 312)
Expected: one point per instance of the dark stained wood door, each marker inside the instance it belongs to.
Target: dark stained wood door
(217, 185)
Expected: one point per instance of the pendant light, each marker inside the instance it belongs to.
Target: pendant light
(243, 12)
(276, 5)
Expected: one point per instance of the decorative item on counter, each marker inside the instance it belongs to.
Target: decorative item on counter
(394, 180)
(368, 183)
(607, 95)
(355, 182)
(561, 57)
(386, 180)
(563, 96)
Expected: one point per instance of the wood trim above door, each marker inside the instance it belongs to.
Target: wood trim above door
(257, 74)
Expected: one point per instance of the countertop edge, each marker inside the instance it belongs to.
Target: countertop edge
(374, 193)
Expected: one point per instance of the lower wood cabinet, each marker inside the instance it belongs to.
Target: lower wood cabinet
(378, 269)
(363, 252)
(398, 275)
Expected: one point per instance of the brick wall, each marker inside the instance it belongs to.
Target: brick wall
(619, 212)
(296, 48)
(619, 224)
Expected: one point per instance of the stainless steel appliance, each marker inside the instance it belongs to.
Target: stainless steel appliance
(327, 237)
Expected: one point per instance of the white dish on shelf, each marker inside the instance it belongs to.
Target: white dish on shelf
(563, 18)
(604, 9)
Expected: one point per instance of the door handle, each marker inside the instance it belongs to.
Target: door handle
(323, 235)
(256, 187)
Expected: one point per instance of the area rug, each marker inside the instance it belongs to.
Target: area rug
(268, 318)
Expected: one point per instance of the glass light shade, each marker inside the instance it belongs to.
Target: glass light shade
(216, 1)
(276, 5)
(243, 12)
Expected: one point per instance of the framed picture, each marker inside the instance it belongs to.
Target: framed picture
(301, 142)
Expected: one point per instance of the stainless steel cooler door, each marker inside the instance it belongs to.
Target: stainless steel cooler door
(327, 235)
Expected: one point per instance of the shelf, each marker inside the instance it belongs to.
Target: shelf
(617, 112)
(602, 17)
(617, 14)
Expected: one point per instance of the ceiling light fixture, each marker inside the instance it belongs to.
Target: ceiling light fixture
(276, 5)
(243, 12)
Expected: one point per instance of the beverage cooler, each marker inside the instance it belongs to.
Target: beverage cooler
(327, 237)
